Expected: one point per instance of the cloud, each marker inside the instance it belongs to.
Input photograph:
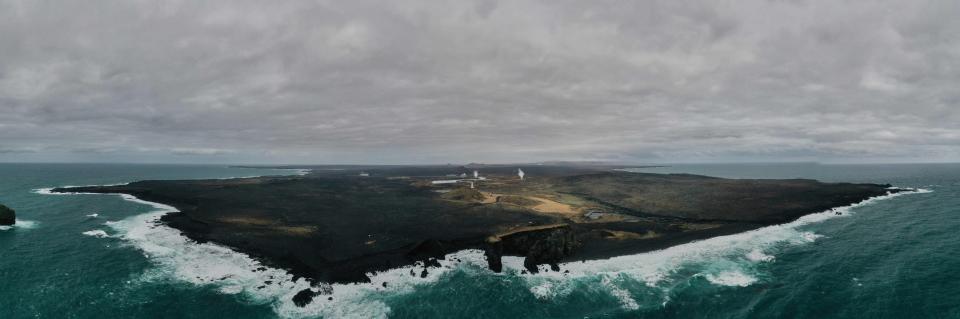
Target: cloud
(7, 150)
(426, 81)
(199, 151)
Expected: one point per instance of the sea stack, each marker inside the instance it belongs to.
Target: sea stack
(7, 216)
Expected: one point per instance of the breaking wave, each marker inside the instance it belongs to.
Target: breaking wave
(731, 278)
(99, 233)
(21, 224)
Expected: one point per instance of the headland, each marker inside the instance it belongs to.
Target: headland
(338, 223)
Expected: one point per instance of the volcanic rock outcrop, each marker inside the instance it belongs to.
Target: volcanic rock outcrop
(7, 216)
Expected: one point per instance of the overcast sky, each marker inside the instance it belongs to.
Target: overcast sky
(479, 81)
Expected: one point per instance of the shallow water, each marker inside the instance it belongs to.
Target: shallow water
(890, 258)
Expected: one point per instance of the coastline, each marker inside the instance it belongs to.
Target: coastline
(743, 228)
(134, 230)
(204, 264)
(286, 284)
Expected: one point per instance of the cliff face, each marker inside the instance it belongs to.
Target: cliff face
(7, 216)
(538, 247)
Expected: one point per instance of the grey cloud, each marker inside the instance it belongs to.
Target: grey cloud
(199, 151)
(433, 81)
(10, 150)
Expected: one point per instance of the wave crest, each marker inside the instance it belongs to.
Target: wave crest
(20, 224)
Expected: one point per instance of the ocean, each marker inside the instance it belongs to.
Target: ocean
(104, 256)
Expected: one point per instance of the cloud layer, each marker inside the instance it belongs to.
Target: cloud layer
(497, 81)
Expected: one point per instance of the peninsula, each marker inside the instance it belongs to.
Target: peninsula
(338, 223)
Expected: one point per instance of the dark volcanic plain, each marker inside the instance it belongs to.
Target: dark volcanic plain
(335, 226)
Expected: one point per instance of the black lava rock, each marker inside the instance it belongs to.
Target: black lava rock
(494, 252)
(304, 297)
(7, 216)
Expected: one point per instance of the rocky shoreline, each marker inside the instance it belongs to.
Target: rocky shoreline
(337, 227)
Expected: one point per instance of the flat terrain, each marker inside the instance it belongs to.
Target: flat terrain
(334, 225)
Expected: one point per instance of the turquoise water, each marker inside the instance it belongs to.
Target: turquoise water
(889, 258)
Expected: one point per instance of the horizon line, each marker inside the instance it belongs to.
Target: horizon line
(269, 165)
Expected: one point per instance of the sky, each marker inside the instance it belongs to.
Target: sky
(479, 81)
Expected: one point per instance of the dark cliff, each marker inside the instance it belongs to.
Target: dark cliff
(7, 216)
(538, 247)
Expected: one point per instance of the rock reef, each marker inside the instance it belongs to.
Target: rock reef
(8, 217)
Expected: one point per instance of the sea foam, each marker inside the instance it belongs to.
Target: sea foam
(21, 224)
(99, 233)
(757, 255)
(731, 278)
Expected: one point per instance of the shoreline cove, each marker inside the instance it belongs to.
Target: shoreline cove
(231, 272)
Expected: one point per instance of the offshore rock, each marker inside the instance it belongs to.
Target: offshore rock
(304, 297)
(493, 252)
(7, 216)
